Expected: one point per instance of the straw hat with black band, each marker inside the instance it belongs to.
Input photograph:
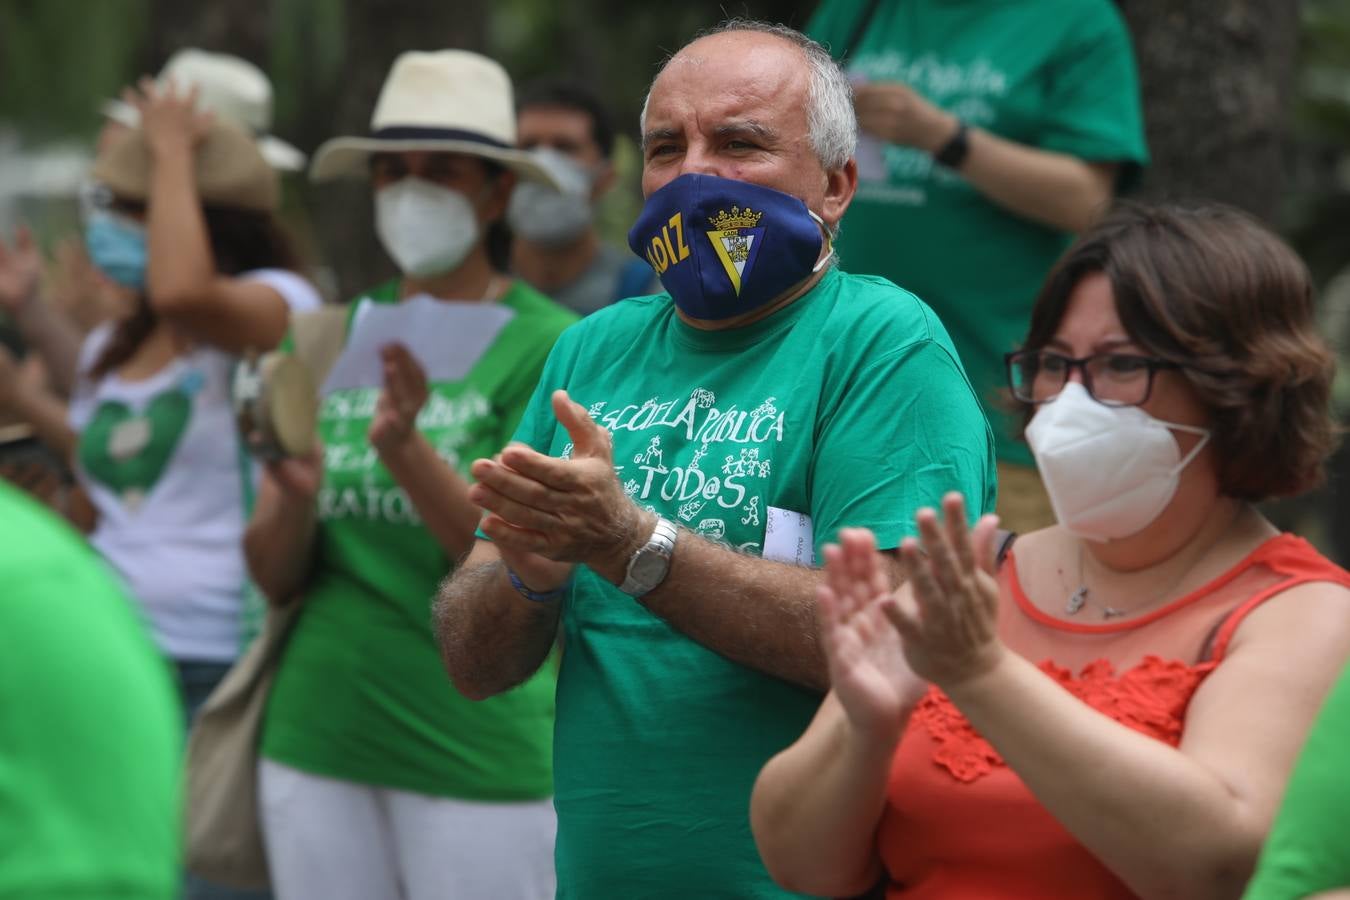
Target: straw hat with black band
(232, 88)
(446, 101)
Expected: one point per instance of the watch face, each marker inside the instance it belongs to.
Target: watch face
(648, 568)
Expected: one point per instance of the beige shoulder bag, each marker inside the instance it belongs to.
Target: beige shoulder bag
(224, 836)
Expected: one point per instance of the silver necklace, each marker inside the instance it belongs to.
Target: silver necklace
(1078, 599)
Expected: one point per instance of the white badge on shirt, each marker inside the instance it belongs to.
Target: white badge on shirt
(789, 537)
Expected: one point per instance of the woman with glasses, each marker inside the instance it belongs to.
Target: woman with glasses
(1109, 708)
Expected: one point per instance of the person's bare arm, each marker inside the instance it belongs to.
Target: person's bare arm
(1112, 787)
(439, 494)
(28, 399)
(279, 540)
(45, 329)
(1051, 188)
(816, 805)
(756, 612)
(491, 637)
(182, 282)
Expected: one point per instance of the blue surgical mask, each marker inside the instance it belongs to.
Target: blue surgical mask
(723, 248)
(117, 246)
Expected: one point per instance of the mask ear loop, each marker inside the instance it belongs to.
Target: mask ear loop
(829, 243)
(1195, 451)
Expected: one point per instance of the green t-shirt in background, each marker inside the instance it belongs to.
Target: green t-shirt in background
(1058, 75)
(91, 733)
(361, 693)
(1308, 850)
(848, 406)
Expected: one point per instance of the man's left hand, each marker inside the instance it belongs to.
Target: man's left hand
(897, 114)
(568, 510)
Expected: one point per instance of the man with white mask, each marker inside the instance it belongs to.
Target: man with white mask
(557, 248)
(377, 778)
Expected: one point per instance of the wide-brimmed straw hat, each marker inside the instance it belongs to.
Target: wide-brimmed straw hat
(448, 101)
(233, 89)
(228, 169)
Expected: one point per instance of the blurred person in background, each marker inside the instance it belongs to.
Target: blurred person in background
(378, 779)
(186, 224)
(90, 789)
(73, 296)
(991, 133)
(556, 247)
(1025, 727)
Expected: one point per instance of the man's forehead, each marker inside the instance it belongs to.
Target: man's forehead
(737, 75)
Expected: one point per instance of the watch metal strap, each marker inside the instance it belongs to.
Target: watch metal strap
(662, 544)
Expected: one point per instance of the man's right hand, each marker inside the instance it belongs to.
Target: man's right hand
(20, 270)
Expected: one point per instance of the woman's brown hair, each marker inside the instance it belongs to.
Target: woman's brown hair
(1214, 291)
(241, 240)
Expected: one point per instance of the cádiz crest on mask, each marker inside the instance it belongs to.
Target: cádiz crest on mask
(723, 248)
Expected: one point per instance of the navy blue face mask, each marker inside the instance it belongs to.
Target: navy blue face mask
(724, 248)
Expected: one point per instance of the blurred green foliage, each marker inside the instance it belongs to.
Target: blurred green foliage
(60, 58)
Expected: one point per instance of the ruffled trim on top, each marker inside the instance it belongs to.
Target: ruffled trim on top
(1150, 697)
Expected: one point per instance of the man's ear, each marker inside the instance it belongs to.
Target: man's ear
(840, 186)
(605, 176)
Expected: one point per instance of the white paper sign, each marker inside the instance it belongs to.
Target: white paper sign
(446, 337)
(789, 537)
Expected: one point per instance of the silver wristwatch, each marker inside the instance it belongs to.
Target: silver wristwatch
(651, 562)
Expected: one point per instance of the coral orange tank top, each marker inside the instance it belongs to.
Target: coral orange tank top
(960, 824)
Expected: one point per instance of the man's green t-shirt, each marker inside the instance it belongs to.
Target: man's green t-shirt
(1308, 850)
(91, 730)
(361, 693)
(1058, 75)
(847, 408)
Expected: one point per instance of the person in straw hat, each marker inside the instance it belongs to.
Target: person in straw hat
(377, 778)
(187, 223)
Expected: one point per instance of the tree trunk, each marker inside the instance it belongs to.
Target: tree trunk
(1217, 79)
(377, 31)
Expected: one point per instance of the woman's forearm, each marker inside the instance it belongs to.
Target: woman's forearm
(47, 416)
(816, 806)
(438, 493)
(1159, 819)
(54, 337)
(279, 543)
(181, 267)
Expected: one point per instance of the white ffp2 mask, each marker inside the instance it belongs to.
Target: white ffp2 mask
(553, 217)
(1109, 470)
(427, 229)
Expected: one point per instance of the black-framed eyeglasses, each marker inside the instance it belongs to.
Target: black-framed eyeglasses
(1112, 379)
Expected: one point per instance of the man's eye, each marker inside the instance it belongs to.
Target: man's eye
(660, 149)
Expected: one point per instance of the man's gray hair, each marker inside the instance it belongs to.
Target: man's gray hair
(829, 114)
